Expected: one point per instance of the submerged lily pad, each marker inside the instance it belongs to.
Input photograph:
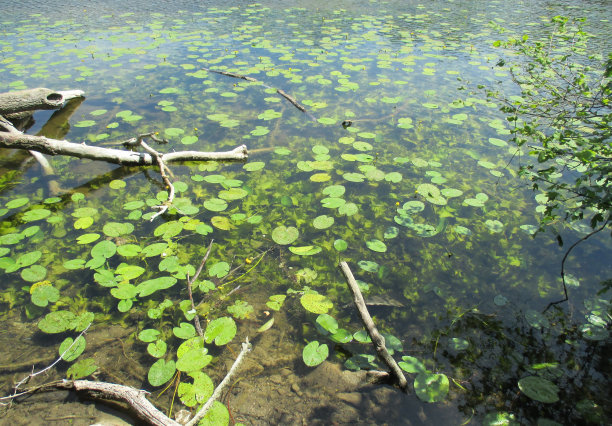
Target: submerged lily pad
(539, 389)
(376, 245)
(431, 387)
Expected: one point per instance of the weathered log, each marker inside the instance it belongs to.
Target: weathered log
(110, 155)
(33, 99)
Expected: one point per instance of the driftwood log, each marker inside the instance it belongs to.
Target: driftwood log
(35, 99)
(42, 98)
(110, 155)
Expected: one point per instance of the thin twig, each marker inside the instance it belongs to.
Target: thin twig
(566, 298)
(246, 347)
(29, 376)
(377, 339)
(281, 92)
(196, 319)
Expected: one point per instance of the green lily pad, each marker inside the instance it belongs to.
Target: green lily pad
(431, 387)
(376, 245)
(43, 294)
(148, 335)
(340, 245)
(146, 288)
(104, 249)
(17, 202)
(37, 214)
(116, 229)
(82, 368)
(193, 360)
(284, 235)
(368, 265)
(327, 323)
(34, 273)
(57, 322)
(348, 209)
(539, 389)
(316, 303)
(198, 392)
(305, 250)
(411, 364)
(219, 269)
(323, 222)
(184, 331)
(71, 349)
(161, 372)
(221, 330)
(314, 353)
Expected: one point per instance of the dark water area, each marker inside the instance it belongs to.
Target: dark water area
(401, 166)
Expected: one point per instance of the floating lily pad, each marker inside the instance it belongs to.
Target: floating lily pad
(411, 364)
(71, 349)
(314, 353)
(284, 235)
(316, 303)
(340, 245)
(57, 322)
(161, 372)
(323, 222)
(82, 369)
(219, 269)
(368, 265)
(221, 330)
(146, 288)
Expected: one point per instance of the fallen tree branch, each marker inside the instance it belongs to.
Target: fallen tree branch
(133, 397)
(190, 282)
(110, 155)
(377, 339)
(281, 92)
(246, 347)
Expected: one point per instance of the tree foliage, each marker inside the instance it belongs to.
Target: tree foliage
(562, 114)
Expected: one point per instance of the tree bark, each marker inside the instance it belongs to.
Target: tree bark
(110, 155)
(33, 99)
(134, 398)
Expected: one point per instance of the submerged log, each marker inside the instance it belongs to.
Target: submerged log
(33, 99)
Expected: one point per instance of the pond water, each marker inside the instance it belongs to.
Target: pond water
(400, 166)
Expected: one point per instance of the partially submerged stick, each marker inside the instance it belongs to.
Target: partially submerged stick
(377, 339)
(281, 92)
(136, 398)
(246, 347)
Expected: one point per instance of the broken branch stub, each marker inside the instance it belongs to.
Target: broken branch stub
(33, 99)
